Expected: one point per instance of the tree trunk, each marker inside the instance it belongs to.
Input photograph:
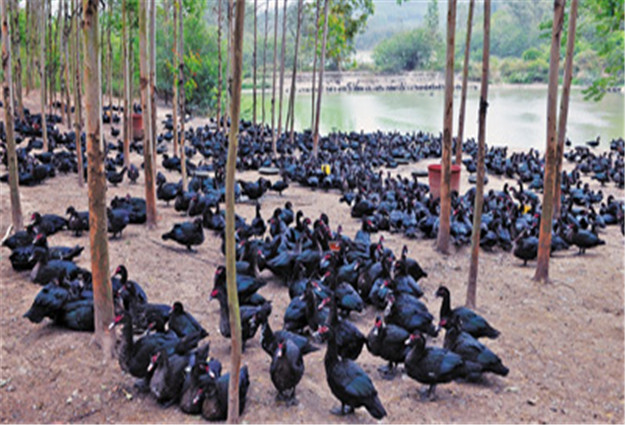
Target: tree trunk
(153, 121)
(7, 91)
(294, 75)
(274, 140)
(254, 67)
(50, 65)
(176, 102)
(183, 155)
(564, 106)
(322, 66)
(127, 117)
(442, 242)
(314, 72)
(544, 239)
(65, 81)
(148, 158)
(42, 72)
(465, 75)
(262, 93)
(109, 58)
(233, 298)
(98, 237)
(17, 44)
(28, 40)
(479, 188)
(78, 97)
(229, 35)
(219, 65)
(282, 53)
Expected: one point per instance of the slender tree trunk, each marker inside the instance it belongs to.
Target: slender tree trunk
(321, 68)
(127, 116)
(219, 65)
(78, 97)
(183, 155)
(28, 36)
(254, 67)
(17, 44)
(50, 65)
(544, 238)
(146, 106)
(229, 43)
(109, 58)
(479, 188)
(262, 101)
(65, 81)
(442, 242)
(274, 139)
(294, 75)
(153, 121)
(564, 106)
(233, 298)
(282, 54)
(314, 72)
(465, 75)
(7, 92)
(176, 102)
(98, 238)
(42, 72)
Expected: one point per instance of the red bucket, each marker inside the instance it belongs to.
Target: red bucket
(435, 175)
(137, 126)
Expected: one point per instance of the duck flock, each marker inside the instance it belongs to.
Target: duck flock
(329, 276)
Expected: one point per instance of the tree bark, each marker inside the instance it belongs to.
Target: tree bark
(233, 298)
(314, 72)
(98, 238)
(7, 91)
(176, 102)
(322, 66)
(254, 67)
(274, 139)
(442, 242)
(294, 75)
(465, 75)
(282, 53)
(183, 155)
(219, 65)
(127, 116)
(148, 158)
(262, 93)
(78, 97)
(564, 106)
(17, 44)
(67, 32)
(42, 73)
(481, 148)
(544, 238)
(109, 57)
(28, 40)
(153, 121)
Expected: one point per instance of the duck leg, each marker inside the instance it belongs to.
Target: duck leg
(291, 400)
(429, 394)
(342, 411)
(388, 371)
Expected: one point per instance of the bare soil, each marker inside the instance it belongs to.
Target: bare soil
(563, 341)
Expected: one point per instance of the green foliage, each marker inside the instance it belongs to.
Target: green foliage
(405, 51)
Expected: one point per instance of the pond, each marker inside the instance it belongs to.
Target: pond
(516, 115)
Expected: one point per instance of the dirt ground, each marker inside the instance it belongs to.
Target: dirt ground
(563, 342)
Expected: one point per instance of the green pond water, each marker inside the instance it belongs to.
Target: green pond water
(516, 115)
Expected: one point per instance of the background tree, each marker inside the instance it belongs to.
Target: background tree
(442, 242)
(152, 83)
(262, 100)
(544, 239)
(42, 72)
(176, 104)
(321, 68)
(127, 115)
(98, 237)
(219, 68)
(233, 298)
(181, 115)
(273, 84)
(282, 53)
(314, 70)
(254, 67)
(291, 113)
(7, 95)
(481, 148)
(465, 75)
(564, 106)
(109, 54)
(78, 95)
(148, 158)
(17, 61)
(67, 32)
